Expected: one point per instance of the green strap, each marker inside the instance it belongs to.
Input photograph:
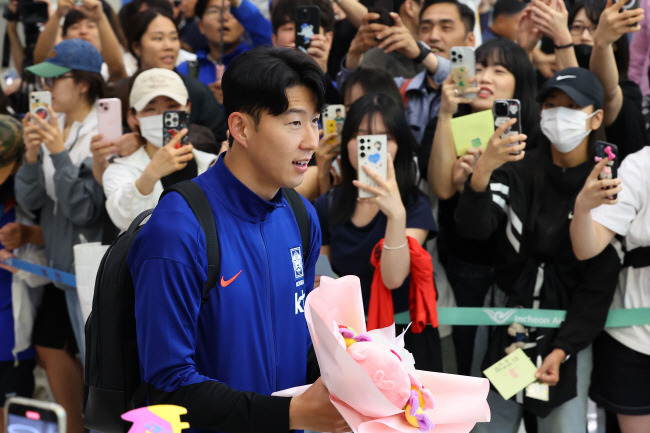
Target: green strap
(526, 316)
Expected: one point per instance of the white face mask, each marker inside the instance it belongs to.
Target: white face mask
(565, 127)
(151, 128)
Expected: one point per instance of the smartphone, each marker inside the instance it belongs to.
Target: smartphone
(504, 110)
(173, 122)
(371, 152)
(333, 119)
(109, 118)
(26, 415)
(629, 5)
(383, 8)
(608, 150)
(307, 25)
(463, 69)
(38, 103)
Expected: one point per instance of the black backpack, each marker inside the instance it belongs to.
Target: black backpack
(112, 372)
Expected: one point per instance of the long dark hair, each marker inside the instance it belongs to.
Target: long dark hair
(392, 113)
(511, 56)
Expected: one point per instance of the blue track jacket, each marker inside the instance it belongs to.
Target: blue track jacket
(250, 338)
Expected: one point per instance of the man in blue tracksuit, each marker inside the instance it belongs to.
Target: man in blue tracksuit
(250, 338)
(239, 16)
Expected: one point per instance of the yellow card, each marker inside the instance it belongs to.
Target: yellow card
(472, 130)
(512, 373)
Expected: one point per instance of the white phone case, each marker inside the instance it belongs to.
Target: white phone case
(30, 415)
(109, 118)
(38, 103)
(371, 152)
(463, 69)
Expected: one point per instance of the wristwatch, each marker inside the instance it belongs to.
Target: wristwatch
(425, 49)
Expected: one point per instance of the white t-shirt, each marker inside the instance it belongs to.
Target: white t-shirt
(123, 199)
(630, 217)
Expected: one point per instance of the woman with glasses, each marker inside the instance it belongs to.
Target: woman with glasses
(595, 37)
(56, 181)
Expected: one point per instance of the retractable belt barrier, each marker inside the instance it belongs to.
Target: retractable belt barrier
(461, 316)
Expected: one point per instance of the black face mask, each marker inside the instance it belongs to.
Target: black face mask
(583, 54)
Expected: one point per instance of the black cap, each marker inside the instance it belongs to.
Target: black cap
(579, 84)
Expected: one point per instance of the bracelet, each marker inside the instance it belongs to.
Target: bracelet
(560, 47)
(386, 247)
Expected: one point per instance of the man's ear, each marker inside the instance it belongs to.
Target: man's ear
(200, 23)
(470, 39)
(410, 9)
(189, 107)
(274, 39)
(239, 125)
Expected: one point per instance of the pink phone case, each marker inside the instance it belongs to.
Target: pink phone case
(109, 118)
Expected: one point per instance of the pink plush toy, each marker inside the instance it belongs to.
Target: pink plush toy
(388, 373)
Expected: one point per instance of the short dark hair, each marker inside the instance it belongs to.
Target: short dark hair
(96, 84)
(593, 10)
(284, 11)
(466, 14)
(372, 80)
(72, 18)
(257, 81)
(140, 23)
(507, 8)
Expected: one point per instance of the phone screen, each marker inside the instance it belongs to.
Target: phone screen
(25, 419)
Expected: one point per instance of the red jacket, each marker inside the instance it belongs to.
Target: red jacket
(422, 296)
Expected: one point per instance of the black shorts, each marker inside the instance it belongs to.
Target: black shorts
(620, 379)
(16, 380)
(52, 327)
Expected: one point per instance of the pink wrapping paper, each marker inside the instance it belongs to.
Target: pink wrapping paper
(459, 401)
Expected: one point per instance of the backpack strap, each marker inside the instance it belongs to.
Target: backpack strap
(198, 202)
(302, 217)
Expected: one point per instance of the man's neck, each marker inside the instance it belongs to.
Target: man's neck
(239, 165)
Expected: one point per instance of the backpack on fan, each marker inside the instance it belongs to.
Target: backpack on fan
(112, 382)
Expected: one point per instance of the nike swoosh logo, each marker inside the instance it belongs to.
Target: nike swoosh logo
(564, 77)
(226, 283)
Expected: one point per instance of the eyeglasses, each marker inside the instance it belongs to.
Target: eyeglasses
(50, 81)
(579, 29)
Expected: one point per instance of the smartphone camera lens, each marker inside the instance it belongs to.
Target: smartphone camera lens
(460, 57)
(362, 155)
(501, 109)
(362, 141)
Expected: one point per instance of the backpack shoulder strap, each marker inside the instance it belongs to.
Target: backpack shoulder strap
(198, 202)
(302, 217)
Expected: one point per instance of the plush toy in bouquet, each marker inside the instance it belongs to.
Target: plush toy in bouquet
(372, 379)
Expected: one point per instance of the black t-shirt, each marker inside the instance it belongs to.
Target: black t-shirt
(628, 130)
(449, 241)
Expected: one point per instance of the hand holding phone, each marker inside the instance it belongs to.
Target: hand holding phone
(333, 119)
(38, 103)
(504, 110)
(383, 8)
(463, 69)
(173, 122)
(307, 25)
(610, 151)
(372, 152)
(109, 119)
